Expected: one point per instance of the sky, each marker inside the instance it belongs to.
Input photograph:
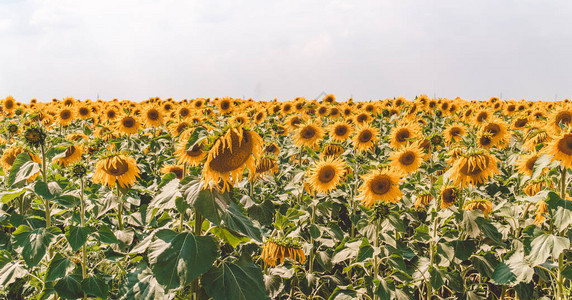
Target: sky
(285, 49)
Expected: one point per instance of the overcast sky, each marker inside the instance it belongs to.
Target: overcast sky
(285, 49)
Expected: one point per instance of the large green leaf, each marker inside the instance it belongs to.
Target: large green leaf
(10, 272)
(95, 286)
(211, 204)
(545, 245)
(59, 267)
(22, 169)
(176, 259)
(77, 236)
(489, 230)
(47, 191)
(69, 287)
(141, 284)
(560, 211)
(34, 242)
(234, 239)
(235, 281)
(235, 218)
(10, 195)
(166, 199)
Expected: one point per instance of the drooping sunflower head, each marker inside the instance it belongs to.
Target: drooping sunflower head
(423, 199)
(484, 205)
(340, 131)
(474, 167)
(116, 168)
(308, 135)
(236, 149)
(326, 174)
(178, 170)
(190, 154)
(279, 249)
(407, 160)
(535, 186)
(332, 150)
(365, 138)
(265, 165)
(449, 195)
(380, 186)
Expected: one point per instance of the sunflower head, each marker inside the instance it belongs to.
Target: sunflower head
(381, 211)
(35, 136)
(365, 138)
(114, 168)
(326, 174)
(308, 135)
(78, 170)
(279, 249)
(340, 131)
(423, 199)
(178, 170)
(479, 204)
(476, 166)
(407, 160)
(449, 195)
(561, 149)
(380, 186)
(333, 150)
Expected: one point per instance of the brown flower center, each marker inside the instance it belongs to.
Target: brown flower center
(195, 151)
(492, 128)
(308, 132)
(407, 158)
(65, 114)
(153, 114)
(234, 155)
(530, 163)
(84, 111)
(365, 136)
(70, 151)
(116, 166)
(326, 174)
(563, 117)
(380, 184)
(341, 130)
(402, 135)
(565, 144)
(128, 122)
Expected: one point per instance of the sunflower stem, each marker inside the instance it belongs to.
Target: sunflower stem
(82, 222)
(559, 277)
(45, 179)
(376, 245)
(119, 208)
(197, 231)
(311, 260)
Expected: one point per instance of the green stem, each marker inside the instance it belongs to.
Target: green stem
(195, 287)
(312, 250)
(83, 247)
(119, 209)
(45, 179)
(432, 245)
(559, 277)
(375, 262)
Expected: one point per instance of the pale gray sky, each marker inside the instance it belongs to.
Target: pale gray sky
(283, 49)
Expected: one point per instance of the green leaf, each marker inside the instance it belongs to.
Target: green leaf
(34, 242)
(560, 211)
(545, 245)
(464, 249)
(176, 259)
(77, 236)
(22, 169)
(105, 235)
(235, 219)
(541, 162)
(211, 204)
(365, 251)
(166, 199)
(485, 264)
(59, 267)
(489, 230)
(11, 195)
(382, 290)
(567, 272)
(141, 284)
(229, 237)
(95, 286)
(10, 272)
(436, 277)
(69, 287)
(47, 191)
(235, 281)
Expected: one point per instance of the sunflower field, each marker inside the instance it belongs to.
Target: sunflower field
(230, 198)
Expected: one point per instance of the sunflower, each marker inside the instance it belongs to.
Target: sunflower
(153, 117)
(232, 152)
(259, 117)
(9, 104)
(326, 174)
(175, 169)
(333, 150)
(308, 135)
(561, 149)
(407, 160)
(363, 118)
(65, 116)
(535, 186)
(279, 249)
(294, 122)
(526, 163)
(272, 149)
(340, 131)
(128, 125)
(84, 111)
(192, 156)
(541, 212)
(496, 131)
(264, 166)
(454, 132)
(449, 195)
(474, 167)
(520, 122)
(536, 135)
(423, 200)
(116, 167)
(380, 185)
(403, 134)
(111, 113)
(225, 106)
(9, 157)
(183, 112)
(482, 116)
(70, 156)
(365, 138)
(558, 119)
(480, 204)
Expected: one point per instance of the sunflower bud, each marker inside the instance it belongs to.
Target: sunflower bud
(35, 136)
(78, 171)
(380, 211)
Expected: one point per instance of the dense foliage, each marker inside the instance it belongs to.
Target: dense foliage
(238, 199)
